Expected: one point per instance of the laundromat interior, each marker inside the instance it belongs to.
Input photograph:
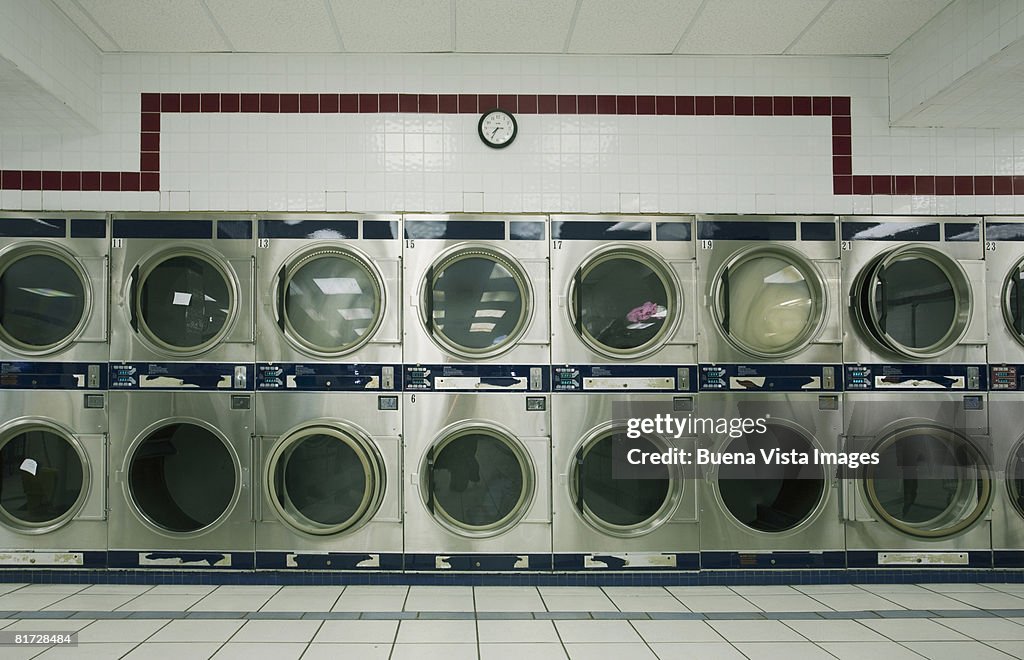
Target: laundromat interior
(486, 329)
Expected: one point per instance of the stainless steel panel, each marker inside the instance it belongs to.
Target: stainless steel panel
(1002, 260)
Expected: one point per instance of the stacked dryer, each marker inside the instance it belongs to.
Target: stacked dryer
(53, 420)
(623, 345)
(771, 352)
(915, 380)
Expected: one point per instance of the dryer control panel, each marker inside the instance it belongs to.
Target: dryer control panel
(615, 378)
(1005, 377)
(770, 377)
(915, 377)
(210, 376)
(53, 376)
(327, 377)
(476, 378)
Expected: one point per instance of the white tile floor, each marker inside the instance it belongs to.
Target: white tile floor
(180, 622)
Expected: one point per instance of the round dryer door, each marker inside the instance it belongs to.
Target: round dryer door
(44, 300)
(930, 482)
(478, 481)
(182, 478)
(1013, 301)
(330, 302)
(769, 302)
(1015, 478)
(914, 301)
(44, 478)
(767, 497)
(323, 481)
(622, 507)
(476, 302)
(184, 302)
(623, 303)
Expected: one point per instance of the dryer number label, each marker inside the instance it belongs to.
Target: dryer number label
(556, 245)
(410, 244)
(990, 246)
(846, 246)
(263, 243)
(117, 243)
(707, 244)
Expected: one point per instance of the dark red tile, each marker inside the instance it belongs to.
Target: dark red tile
(547, 104)
(840, 105)
(842, 164)
(427, 102)
(1002, 185)
(150, 181)
(983, 185)
(802, 106)
(270, 103)
(487, 102)
(328, 103)
(309, 103)
(369, 103)
(625, 105)
(923, 185)
(348, 103)
(841, 126)
(130, 181)
(782, 106)
(685, 105)
(842, 145)
(943, 185)
(881, 184)
(90, 180)
(725, 105)
(10, 180)
(149, 162)
(744, 105)
(763, 106)
(288, 103)
(151, 122)
(408, 103)
(468, 104)
(150, 102)
(447, 103)
(606, 104)
(842, 185)
(665, 105)
(190, 103)
(645, 105)
(230, 102)
(527, 104)
(586, 104)
(822, 105)
(170, 102)
(150, 142)
(963, 185)
(249, 103)
(110, 181)
(861, 184)
(704, 105)
(389, 102)
(209, 102)
(566, 104)
(508, 102)
(71, 181)
(1018, 185)
(31, 180)
(50, 180)
(904, 185)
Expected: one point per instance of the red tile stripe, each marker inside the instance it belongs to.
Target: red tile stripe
(844, 181)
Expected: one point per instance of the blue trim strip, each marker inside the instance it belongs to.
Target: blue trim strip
(817, 231)
(966, 378)
(496, 378)
(614, 563)
(519, 230)
(1004, 231)
(573, 377)
(773, 560)
(326, 377)
(89, 228)
(461, 230)
(890, 231)
(180, 376)
(234, 229)
(314, 228)
(381, 229)
(155, 228)
(51, 376)
(809, 378)
(963, 232)
(463, 563)
(33, 227)
(594, 230)
(329, 561)
(869, 559)
(746, 230)
(673, 231)
(207, 561)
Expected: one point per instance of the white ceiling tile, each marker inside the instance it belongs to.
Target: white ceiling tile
(84, 23)
(744, 27)
(866, 27)
(267, 26)
(414, 26)
(157, 25)
(631, 26)
(523, 26)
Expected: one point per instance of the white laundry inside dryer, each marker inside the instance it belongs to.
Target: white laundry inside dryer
(769, 302)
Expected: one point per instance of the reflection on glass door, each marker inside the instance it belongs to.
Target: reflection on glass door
(42, 478)
(42, 301)
(185, 302)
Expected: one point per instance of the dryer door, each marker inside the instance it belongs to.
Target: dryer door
(1013, 301)
(1015, 479)
(930, 482)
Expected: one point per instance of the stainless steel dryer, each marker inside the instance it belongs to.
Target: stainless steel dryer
(916, 290)
(329, 288)
(927, 501)
(53, 470)
(477, 448)
(1008, 484)
(328, 469)
(477, 289)
(623, 290)
(781, 510)
(771, 289)
(1004, 266)
(53, 287)
(182, 287)
(181, 466)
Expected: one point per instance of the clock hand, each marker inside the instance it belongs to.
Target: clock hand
(495, 131)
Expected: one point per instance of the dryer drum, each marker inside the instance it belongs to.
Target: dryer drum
(43, 299)
(1015, 478)
(324, 481)
(1013, 301)
(476, 302)
(43, 478)
(182, 478)
(478, 481)
(330, 302)
(930, 482)
(913, 301)
(769, 301)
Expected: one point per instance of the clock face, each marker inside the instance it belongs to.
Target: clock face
(497, 129)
